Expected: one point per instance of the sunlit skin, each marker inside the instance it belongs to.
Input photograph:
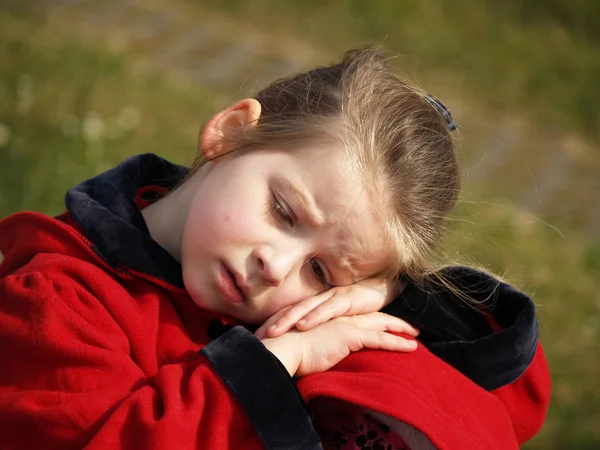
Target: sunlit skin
(287, 225)
(269, 234)
(245, 214)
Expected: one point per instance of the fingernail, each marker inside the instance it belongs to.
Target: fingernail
(302, 322)
(273, 327)
(411, 344)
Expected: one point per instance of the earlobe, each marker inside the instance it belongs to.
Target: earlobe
(213, 139)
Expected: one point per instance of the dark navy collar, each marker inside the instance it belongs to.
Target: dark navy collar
(460, 332)
(105, 209)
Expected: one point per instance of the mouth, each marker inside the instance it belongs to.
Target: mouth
(229, 286)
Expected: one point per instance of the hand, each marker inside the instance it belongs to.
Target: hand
(363, 297)
(322, 347)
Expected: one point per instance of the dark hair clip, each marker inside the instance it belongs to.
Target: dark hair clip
(442, 110)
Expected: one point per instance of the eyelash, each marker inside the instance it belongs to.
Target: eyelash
(282, 214)
(280, 210)
(320, 278)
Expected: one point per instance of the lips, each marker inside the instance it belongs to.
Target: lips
(228, 286)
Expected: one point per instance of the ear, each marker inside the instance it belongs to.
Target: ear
(213, 140)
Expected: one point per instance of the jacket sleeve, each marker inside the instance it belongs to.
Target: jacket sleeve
(69, 380)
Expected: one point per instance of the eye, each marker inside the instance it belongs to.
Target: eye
(279, 210)
(319, 273)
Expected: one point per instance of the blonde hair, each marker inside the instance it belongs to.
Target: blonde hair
(400, 142)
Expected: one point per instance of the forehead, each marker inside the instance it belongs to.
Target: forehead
(353, 215)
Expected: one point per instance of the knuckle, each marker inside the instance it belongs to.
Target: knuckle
(344, 307)
(381, 337)
(326, 309)
(288, 316)
(342, 289)
(338, 307)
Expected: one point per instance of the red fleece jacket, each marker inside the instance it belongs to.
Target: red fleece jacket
(98, 356)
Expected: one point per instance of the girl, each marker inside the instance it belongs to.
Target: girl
(306, 201)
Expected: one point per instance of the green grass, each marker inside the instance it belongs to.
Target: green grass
(541, 58)
(69, 111)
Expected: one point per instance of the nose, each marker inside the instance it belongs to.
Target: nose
(276, 263)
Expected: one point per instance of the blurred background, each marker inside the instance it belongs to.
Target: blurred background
(86, 83)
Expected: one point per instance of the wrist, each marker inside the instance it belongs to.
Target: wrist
(284, 351)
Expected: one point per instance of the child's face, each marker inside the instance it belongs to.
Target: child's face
(250, 246)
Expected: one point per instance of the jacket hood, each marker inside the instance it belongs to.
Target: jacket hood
(107, 212)
(483, 327)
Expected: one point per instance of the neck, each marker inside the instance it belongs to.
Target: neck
(166, 217)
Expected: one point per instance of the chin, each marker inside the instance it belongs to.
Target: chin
(199, 297)
(200, 303)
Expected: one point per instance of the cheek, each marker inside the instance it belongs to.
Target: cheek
(241, 223)
(238, 224)
(227, 222)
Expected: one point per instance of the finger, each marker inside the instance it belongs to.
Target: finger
(261, 333)
(336, 306)
(382, 321)
(380, 340)
(292, 315)
(398, 325)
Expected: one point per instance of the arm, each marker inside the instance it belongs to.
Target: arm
(69, 379)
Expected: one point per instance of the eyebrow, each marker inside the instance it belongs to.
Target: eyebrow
(313, 215)
(344, 268)
(345, 277)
